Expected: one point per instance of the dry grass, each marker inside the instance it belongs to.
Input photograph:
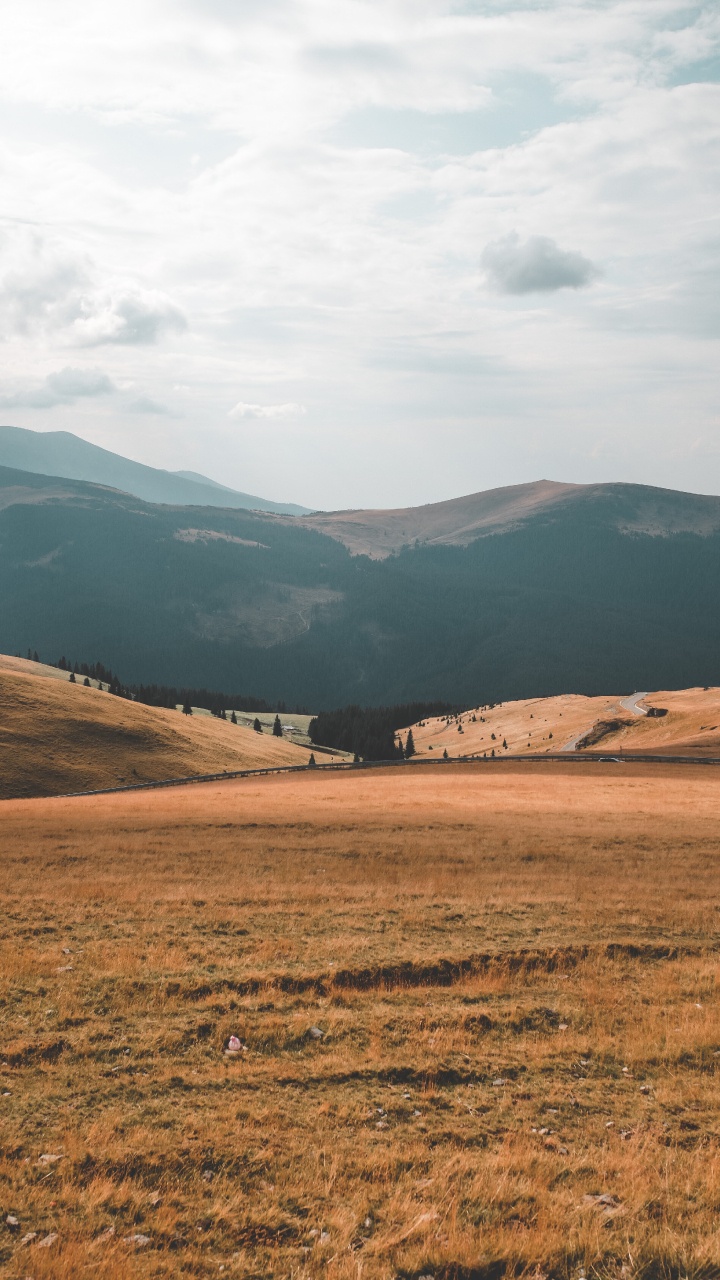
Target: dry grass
(515, 972)
(57, 737)
(537, 726)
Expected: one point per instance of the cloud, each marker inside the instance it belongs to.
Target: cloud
(362, 55)
(63, 387)
(146, 404)
(71, 383)
(130, 319)
(243, 410)
(537, 265)
(47, 288)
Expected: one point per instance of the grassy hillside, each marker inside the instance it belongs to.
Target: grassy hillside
(57, 737)
(586, 596)
(538, 726)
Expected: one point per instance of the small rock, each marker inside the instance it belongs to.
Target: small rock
(324, 1237)
(49, 1158)
(607, 1206)
(645, 1088)
(609, 1124)
(29, 1237)
(208, 1175)
(47, 1241)
(67, 951)
(6, 1094)
(12, 1222)
(139, 1241)
(64, 968)
(562, 1026)
(105, 1236)
(316, 1033)
(417, 1113)
(381, 1124)
(497, 1084)
(234, 1045)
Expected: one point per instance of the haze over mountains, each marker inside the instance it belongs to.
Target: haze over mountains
(60, 453)
(529, 591)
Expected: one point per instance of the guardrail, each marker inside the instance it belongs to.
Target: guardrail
(414, 763)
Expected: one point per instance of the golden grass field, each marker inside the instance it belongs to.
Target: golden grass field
(514, 970)
(538, 726)
(57, 737)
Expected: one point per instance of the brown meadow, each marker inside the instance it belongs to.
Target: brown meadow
(514, 971)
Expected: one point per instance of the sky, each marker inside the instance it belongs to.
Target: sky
(355, 253)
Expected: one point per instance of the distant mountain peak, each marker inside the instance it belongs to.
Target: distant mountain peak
(60, 453)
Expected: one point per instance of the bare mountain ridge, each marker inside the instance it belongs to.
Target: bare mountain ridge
(60, 453)
(631, 508)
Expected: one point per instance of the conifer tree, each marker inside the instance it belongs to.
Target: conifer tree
(187, 709)
(277, 728)
(445, 754)
(72, 678)
(311, 761)
(257, 726)
(233, 718)
(409, 745)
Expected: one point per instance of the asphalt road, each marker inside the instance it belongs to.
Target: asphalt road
(631, 704)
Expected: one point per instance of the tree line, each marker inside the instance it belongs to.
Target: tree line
(371, 732)
(171, 696)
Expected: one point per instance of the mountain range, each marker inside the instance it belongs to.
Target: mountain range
(60, 453)
(531, 590)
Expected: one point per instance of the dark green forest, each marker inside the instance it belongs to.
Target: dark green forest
(566, 603)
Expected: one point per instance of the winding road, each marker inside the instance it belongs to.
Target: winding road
(627, 704)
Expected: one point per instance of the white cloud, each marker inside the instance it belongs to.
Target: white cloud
(536, 265)
(243, 410)
(72, 383)
(64, 387)
(134, 318)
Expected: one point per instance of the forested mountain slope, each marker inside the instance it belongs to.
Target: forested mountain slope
(572, 599)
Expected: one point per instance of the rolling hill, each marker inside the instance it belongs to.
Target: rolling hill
(528, 592)
(57, 737)
(690, 726)
(60, 453)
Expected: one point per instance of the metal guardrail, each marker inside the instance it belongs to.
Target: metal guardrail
(414, 763)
